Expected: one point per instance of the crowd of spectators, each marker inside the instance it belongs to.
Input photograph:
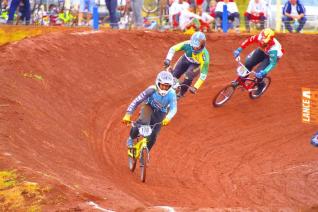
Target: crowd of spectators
(197, 15)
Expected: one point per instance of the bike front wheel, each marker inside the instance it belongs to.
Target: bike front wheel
(131, 160)
(223, 96)
(143, 164)
(255, 93)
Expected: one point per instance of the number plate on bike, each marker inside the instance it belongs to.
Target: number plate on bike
(242, 72)
(145, 130)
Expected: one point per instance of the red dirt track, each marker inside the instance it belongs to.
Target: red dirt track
(65, 130)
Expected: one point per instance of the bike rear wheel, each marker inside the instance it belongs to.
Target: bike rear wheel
(223, 96)
(254, 94)
(132, 161)
(143, 164)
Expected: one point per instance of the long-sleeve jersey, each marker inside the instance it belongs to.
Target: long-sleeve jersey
(162, 103)
(202, 58)
(274, 50)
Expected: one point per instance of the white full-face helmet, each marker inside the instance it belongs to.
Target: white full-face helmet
(164, 82)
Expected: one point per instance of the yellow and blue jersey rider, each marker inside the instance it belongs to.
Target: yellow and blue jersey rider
(194, 62)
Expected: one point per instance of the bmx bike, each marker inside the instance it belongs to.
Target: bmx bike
(244, 81)
(139, 151)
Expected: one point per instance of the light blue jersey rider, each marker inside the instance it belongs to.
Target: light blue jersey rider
(157, 102)
(160, 106)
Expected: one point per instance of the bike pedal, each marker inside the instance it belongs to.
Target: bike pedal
(235, 83)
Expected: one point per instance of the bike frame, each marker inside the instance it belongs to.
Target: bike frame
(142, 143)
(242, 80)
(245, 85)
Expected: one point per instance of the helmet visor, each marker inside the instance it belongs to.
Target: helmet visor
(164, 87)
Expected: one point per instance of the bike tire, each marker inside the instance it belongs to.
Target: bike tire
(150, 6)
(132, 162)
(253, 94)
(143, 164)
(223, 96)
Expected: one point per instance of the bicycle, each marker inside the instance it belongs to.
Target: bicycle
(140, 151)
(245, 82)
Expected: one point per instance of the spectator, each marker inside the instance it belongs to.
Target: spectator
(294, 11)
(86, 6)
(189, 19)
(0, 7)
(75, 5)
(206, 5)
(4, 11)
(212, 8)
(205, 21)
(53, 14)
(74, 9)
(256, 11)
(233, 14)
(40, 16)
(175, 11)
(25, 10)
(112, 8)
(136, 6)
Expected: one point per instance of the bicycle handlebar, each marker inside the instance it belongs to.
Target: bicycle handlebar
(178, 85)
(238, 60)
(176, 81)
(135, 124)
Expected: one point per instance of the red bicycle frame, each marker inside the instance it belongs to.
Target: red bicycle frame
(246, 83)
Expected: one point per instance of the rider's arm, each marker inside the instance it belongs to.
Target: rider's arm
(140, 98)
(172, 106)
(272, 61)
(247, 42)
(204, 67)
(174, 49)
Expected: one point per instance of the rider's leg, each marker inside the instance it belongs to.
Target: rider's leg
(192, 72)
(254, 58)
(180, 67)
(144, 118)
(260, 67)
(156, 117)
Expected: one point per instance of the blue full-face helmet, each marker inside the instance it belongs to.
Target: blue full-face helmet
(197, 42)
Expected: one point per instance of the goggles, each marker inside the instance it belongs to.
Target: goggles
(164, 87)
